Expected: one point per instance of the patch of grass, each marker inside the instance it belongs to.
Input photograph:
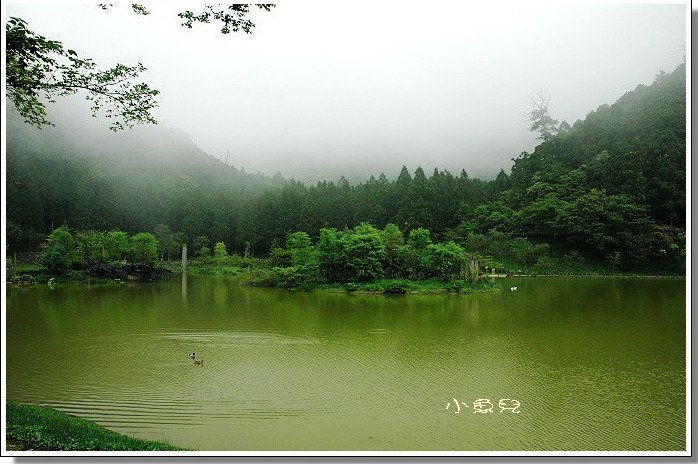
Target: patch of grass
(35, 273)
(26, 273)
(215, 270)
(27, 268)
(43, 428)
(557, 264)
(408, 286)
(291, 278)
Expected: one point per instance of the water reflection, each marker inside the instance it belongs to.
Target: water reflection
(184, 289)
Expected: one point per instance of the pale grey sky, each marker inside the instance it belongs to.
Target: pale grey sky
(328, 88)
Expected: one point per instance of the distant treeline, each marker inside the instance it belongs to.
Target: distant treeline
(609, 189)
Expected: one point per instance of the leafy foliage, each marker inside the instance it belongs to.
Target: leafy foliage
(444, 260)
(144, 248)
(42, 69)
(91, 246)
(301, 250)
(139, 9)
(201, 245)
(170, 244)
(60, 253)
(14, 233)
(419, 238)
(39, 68)
(361, 254)
(232, 16)
(117, 246)
(219, 251)
(540, 118)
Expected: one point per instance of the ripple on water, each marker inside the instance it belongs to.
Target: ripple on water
(240, 338)
(149, 412)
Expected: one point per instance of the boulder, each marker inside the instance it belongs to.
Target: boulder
(140, 273)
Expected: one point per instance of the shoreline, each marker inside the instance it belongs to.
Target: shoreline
(41, 428)
(639, 276)
(33, 275)
(114, 282)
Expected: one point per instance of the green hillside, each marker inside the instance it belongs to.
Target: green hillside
(606, 193)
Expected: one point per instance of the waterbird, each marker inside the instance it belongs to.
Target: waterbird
(51, 280)
(198, 362)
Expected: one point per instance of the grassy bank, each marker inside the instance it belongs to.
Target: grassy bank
(258, 273)
(214, 270)
(35, 273)
(305, 279)
(41, 428)
(407, 286)
(570, 265)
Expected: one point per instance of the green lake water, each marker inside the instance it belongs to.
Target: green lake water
(594, 363)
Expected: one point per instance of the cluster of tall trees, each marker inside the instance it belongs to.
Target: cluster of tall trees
(361, 254)
(65, 250)
(609, 188)
(366, 253)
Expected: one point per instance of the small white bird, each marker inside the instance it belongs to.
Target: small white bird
(513, 289)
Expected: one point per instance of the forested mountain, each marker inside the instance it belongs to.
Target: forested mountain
(610, 188)
(636, 146)
(80, 174)
(612, 183)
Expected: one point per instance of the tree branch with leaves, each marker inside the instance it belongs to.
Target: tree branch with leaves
(540, 118)
(233, 17)
(40, 70)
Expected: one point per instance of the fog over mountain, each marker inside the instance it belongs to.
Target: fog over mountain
(320, 90)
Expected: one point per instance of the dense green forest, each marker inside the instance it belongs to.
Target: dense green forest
(608, 190)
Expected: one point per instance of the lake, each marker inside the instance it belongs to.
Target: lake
(568, 363)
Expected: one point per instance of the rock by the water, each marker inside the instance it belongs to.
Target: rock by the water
(105, 271)
(141, 273)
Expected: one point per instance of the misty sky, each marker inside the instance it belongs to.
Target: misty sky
(329, 88)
